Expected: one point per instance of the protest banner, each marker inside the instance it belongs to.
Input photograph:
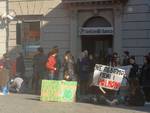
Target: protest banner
(127, 69)
(108, 77)
(58, 90)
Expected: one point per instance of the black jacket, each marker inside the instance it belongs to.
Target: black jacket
(145, 75)
(133, 71)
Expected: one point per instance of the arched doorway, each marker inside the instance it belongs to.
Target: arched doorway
(97, 38)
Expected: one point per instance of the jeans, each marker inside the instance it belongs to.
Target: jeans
(52, 76)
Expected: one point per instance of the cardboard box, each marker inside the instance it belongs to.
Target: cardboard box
(58, 90)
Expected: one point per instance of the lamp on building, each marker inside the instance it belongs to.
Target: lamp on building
(6, 17)
(11, 15)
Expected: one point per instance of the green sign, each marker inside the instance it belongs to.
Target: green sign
(61, 91)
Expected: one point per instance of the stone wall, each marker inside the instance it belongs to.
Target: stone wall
(136, 28)
(2, 29)
(55, 22)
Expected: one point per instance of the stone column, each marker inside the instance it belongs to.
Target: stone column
(117, 39)
(3, 29)
(73, 32)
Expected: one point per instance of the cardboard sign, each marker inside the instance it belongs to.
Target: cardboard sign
(108, 77)
(127, 69)
(58, 90)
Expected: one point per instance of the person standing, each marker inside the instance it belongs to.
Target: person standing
(69, 67)
(39, 70)
(91, 68)
(145, 77)
(91, 63)
(134, 69)
(17, 85)
(5, 70)
(20, 66)
(58, 64)
(115, 61)
(84, 70)
(6, 62)
(126, 58)
(51, 65)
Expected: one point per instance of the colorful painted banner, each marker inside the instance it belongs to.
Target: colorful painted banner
(127, 69)
(58, 90)
(108, 77)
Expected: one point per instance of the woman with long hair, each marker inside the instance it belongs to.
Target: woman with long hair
(69, 66)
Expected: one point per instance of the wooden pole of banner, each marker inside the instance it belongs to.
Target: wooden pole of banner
(102, 89)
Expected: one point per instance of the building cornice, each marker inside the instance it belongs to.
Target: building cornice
(87, 1)
(93, 3)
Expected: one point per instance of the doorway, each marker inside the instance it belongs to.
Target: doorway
(98, 46)
(97, 38)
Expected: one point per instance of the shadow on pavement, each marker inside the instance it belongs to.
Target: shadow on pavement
(34, 99)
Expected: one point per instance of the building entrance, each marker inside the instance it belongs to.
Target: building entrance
(97, 38)
(98, 46)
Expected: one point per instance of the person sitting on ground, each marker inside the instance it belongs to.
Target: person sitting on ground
(17, 85)
(136, 95)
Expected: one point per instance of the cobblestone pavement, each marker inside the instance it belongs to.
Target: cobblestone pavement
(23, 103)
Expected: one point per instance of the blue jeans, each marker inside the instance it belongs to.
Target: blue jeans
(52, 76)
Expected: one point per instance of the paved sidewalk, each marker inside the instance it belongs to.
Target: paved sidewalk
(22, 103)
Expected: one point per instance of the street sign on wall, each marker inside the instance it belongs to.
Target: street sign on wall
(96, 31)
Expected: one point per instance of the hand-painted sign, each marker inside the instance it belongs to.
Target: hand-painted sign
(108, 77)
(58, 90)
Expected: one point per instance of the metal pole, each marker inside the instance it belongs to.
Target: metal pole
(7, 26)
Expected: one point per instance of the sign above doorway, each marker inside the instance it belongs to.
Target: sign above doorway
(96, 31)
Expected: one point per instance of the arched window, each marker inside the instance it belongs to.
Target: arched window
(97, 22)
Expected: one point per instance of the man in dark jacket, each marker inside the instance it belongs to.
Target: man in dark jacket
(145, 77)
(20, 67)
(126, 58)
(39, 69)
(134, 69)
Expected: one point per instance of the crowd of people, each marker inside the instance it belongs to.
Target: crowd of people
(82, 71)
(50, 67)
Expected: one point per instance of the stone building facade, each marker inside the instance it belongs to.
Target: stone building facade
(100, 26)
